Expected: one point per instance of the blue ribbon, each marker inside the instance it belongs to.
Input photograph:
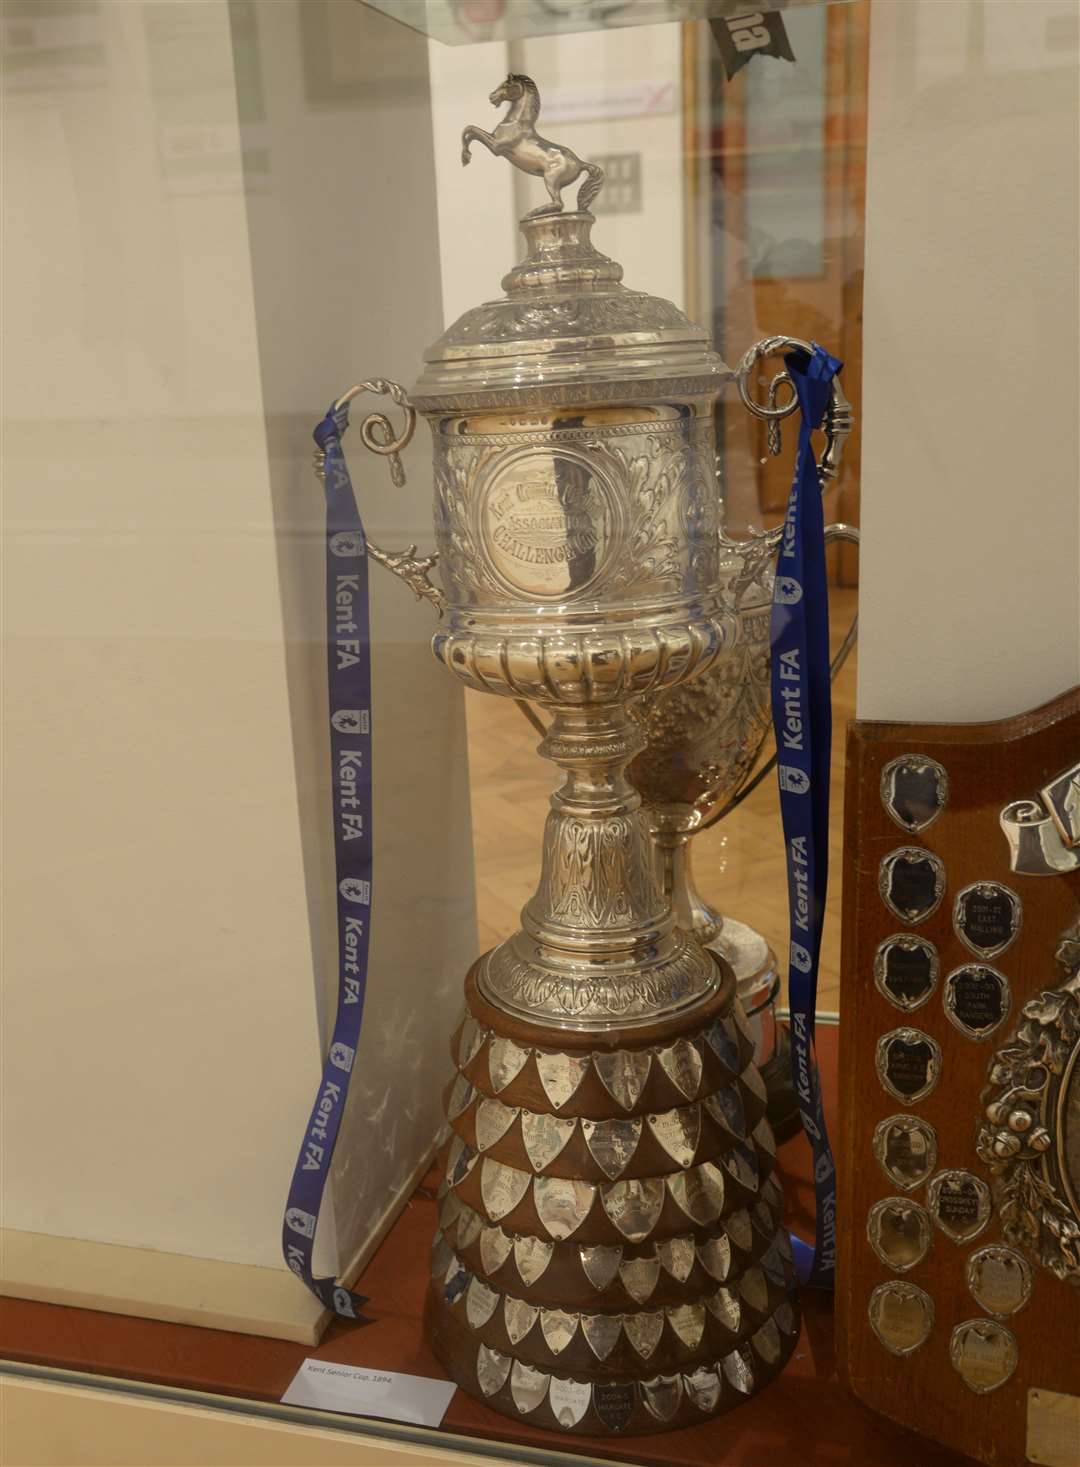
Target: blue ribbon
(802, 719)
(348, 644)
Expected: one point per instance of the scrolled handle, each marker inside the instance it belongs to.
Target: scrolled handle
(838, 415)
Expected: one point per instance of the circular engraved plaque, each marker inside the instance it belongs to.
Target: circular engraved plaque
(911, 882)
(901, 1315)
(1000, 1279)
(899, 1232)
(908, 1063)
(548, 523)
(976, 999)
(906, 1148)
(984, 1354)
(914, 790)
(959, 1203)
(987, 917)
(906, 970)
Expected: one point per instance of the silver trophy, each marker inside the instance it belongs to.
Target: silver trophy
(610, 1255)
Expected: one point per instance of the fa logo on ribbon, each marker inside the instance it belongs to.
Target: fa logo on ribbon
(343, 1304)
(351, 721)
(347, 544)
(301, 1222)
(342, 1056)
(793, 780)
(788, 590)
(355, 890)
(823, 1168)
(800, 958)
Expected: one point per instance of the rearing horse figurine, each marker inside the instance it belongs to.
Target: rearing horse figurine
(516, 138)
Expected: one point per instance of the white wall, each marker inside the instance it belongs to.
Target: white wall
(167, 861)
(970, 564)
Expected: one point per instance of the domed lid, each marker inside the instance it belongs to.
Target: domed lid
(567, 327)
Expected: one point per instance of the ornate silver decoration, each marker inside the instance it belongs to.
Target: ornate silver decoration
(688, 1322)
(678, 1132)
(601, 1332)
(492, 1370)
(715, 1255)
(911, 882)
(959, 1203)
(544, 1137)
(495, 1248)
(600, 1263)
(1030, 1139)
(639, 1276)
(624, 1073)
(505, 1061)
(908, 1063)
(558, 1329)
(519, 1316)
(493, 1120)
(662, 1396)
(1044, 834)
(532, 1256)
(906, 1150)
(563, 1203)
(987, 917)
(612, 1143)
(906, 970)
(914, 791)
(681, 1062)
(501, 1187)
(528, 1386)
(901, 1315)
(899, 1232)
(560, 1075)
(634, 1206)
(983, 1353)
(644, 1330)
(677, 1256)
(480, 1303)
(1000, 1280)
(703, 1389)
(569, 1400)
(977, 999)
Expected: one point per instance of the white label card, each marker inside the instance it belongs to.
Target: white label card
(360, 1391)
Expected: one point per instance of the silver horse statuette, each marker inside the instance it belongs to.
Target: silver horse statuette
(516, 138)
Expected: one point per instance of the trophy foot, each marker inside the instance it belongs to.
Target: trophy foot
(610, 1257)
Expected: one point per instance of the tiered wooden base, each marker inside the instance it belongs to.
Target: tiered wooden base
(610, 1257)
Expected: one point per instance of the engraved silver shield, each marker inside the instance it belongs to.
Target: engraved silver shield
(739, 1370)
(569, 1400)
(662, 1396)
(563, 1203)
(505, 1061)
(600, 1263)
(519, 1316)
(602, 1332)
(501, 1187)
(725, 1309)
(491, 1370)
(545, 1137)
(681, 1062)
(677, 1256)
(639, 1276)
(715, 1255)
(644, 1331)
(560, 1075)
(688, 1322)
(984, 1354)
(532, 1256)
(493, 1120)
(495, 1248)
(624, 1073)
(612, 1143)
(635, 1206)
(480, 1303)
(528, 1386)
(703, 1389)
(558, 1328)
(678, 1132)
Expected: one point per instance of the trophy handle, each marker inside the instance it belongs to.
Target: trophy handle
(377, 433)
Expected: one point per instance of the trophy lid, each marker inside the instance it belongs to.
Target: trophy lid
(567, 329)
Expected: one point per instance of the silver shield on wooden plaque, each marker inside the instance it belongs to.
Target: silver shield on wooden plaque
(528, 1386)
(681, 1062)
(959, 1203)
(901, 1315)
(644, 1331)
(738, 1370)
(493, 1120)
(662, 1396)
(688, 1322)
(600, 1262)
(639, 1276)
(505, 1061)
(976, 999)
(635, 1206)
(677, 1256)
(908, 1063)
(906, 970)
(984, 1354)
(560, 1075)
(1000, 1279)
(519, 1316)
(569, 1400)
(501, 1187)
(601, 1333)
(911, 882)
(678, 1132)
(624, 1073)
(491, 1370)
(703, 1388)
(558, 1328)
(914, 791)
(532, 1256)
(987, 917)
(495, 1248)
(563, 1203)
(906, 1150)
(612, 1143)
(544, 1136)
(899, 1232)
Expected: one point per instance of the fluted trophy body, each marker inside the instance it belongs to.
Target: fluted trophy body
(610, 1256)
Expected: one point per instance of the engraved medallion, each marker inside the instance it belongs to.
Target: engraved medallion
(528, 1386)
(977, 999)
(505, 1061)
(635, 1206)
(600, 1263)
(754, 1290)
(469, 1041)
(725, 1309)
(908, 1063)
(519, 1316)
(470, 1226)
(906, 1149)
(491, 1370)
(724, 1047)
(984, 1354)
(739, 1229)
(703, 1388)
(677, 1256)
(715, 1255)
(987, 917)
(678, 1132)
(738, 1370)
(662, 1396)
(766, 1342)
(532, 1256)
(544, 1137)
(1000, 1280)
(612, 1143)
(959, 1203)
(688, 1322)
(906, 970)
(560, 1075)
(726, 1108)
(558, 1329)
(480, 1303)
(563, 1203)
(901, 1315)
(493, 1120)
(624, 1073)
(914, 791)
(501, 1187)
(495, 1249)
(681, 1062)
(569, 1400)
(697, 1200)
(460, 1094)
(601, 1332)
(613, 1402)
(638, 1277)
(911, 882)
(899, 1232)
(644, 1331)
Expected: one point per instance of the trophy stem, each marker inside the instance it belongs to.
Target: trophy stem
(692, 912)
(598, 944)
